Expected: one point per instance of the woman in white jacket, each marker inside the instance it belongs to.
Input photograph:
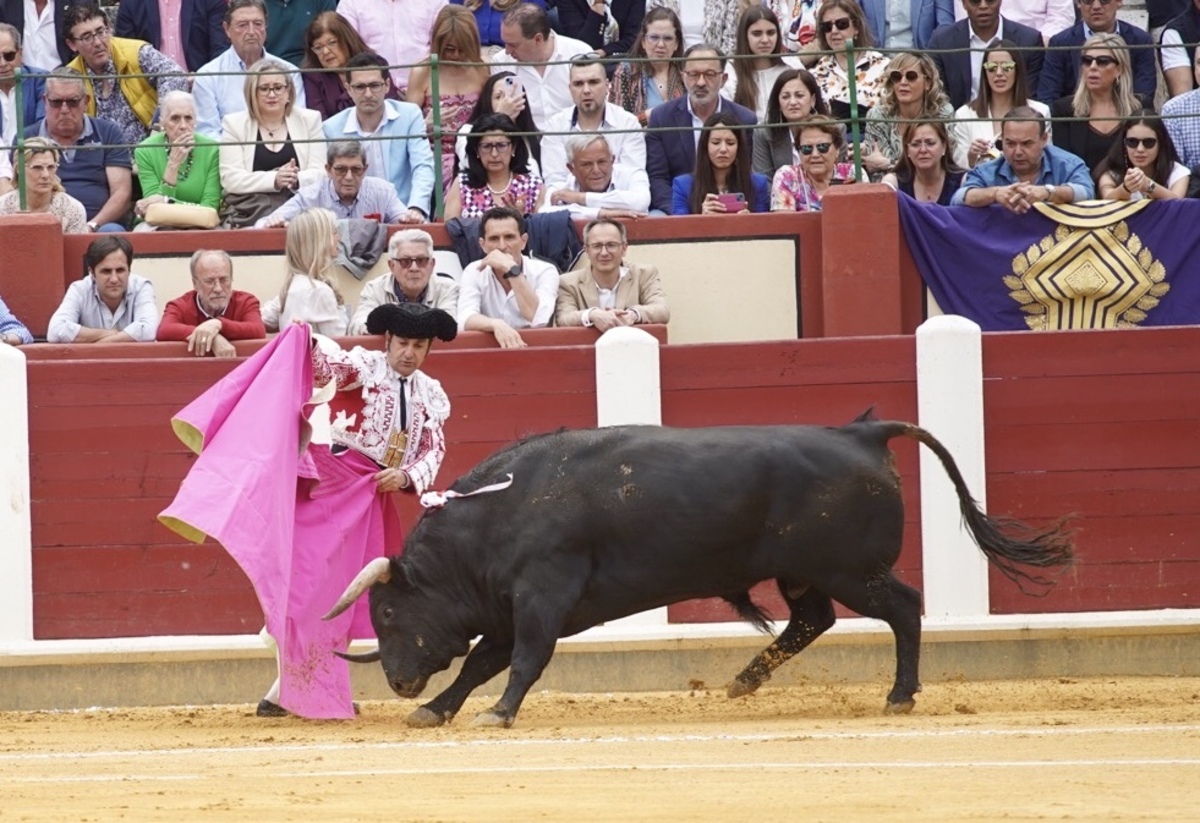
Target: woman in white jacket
(1003, 86)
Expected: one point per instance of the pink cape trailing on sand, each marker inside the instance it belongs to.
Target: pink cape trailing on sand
(300, 521)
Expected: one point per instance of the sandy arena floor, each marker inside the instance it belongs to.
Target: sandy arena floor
(1075, 750)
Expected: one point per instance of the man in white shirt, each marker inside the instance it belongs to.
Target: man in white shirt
(599, 185)
(1047, 16)
(528, 45)
(591, 113)
(506, 290)
(398, 30)
(219, 89)
(40, 23)
(109, 305)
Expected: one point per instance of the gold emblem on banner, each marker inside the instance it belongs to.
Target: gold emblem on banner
(1092, 273)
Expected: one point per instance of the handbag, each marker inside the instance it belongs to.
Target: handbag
(182, 216)
(242, 211)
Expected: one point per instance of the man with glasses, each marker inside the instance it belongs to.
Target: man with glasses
(1031, 171)
(608, 292)
(347, 191)
(142, 73)
(40, 23)
(599, 185)
(1060, 71)
(213, 313)
(96, 168)
(392, 134)
(410, 279)
(984, 27)
(190, 32)
(219, 87)
(529, 45)
(33, 83)
(592, 113)
(672, 152)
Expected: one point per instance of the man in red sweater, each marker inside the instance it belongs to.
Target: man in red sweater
(212, 314)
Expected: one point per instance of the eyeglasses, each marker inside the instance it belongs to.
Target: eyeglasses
(272, 91)
(363, 88)
(707, 76)
(327, 45)
(1103, 60)
(408, 262)
(611, 247)
(912, 76)
(353, 171)
(660, 39)
(1004, 67)
(87, 38)
(1147, 142)
(822, 148)
(59, 102)
(924, 143)
(499, 147)
(841, 24)
(213, 282)
(1086, 3)
(8, 56)
(978, 3)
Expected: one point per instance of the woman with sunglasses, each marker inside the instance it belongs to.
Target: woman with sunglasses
(654, 76)
(926, 172)
(759, 62)
(1102, 101)
(837, 22)
(801, 187)
(914, 92)
(722, 182)
(794, 97)
(1004, 86)
(497, 172)
(1143, 164)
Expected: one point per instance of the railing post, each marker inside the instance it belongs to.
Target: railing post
(852, 91)
(435, 93)
(19, 154)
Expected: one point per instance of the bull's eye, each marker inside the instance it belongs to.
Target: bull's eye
(387, 612)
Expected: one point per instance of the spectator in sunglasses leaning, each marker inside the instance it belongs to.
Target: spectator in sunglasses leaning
(1061, 68)
(961, 70)
(33, 83)
(1142, 165)
(914, 92)
(410, 279)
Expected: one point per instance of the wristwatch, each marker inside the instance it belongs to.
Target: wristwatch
(1049, 193)
(515, 271)
(1150, 189)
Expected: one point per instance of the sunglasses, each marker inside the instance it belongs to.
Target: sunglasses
(841, 24)
(1147, 142)
(408, 262)
(8, 56)
(978, 3)
(822, 148)
(912, 76)
(1004, 66)
(59, 102)
(1103, 61)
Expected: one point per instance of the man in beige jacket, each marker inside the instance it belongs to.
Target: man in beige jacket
(607, 292)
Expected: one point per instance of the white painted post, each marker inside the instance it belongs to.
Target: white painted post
(629, 391)
(16, 534)
(950, 406)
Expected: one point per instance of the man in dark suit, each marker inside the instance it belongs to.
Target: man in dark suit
(672, 153)
(13, 13)
(201, 28)
(984, 26)
(1060, 71)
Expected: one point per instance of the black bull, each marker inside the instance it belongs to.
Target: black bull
(604, 523)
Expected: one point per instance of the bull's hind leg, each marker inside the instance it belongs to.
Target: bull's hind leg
(811, 615)
(486, 660)
(885, 598)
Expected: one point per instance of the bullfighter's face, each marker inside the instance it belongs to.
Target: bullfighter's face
(406, 354)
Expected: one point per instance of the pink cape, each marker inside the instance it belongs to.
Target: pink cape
(300, 522)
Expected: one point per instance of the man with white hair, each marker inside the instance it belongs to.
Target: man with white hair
(410, 279)
(599, 185)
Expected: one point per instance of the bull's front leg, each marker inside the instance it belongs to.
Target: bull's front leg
(481, 664)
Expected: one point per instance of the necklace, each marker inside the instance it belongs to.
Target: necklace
(271, 132)
(501, 190)
(182, 174)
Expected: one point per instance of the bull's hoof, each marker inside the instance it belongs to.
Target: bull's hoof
(900, 707)
(424, 718)
(741, 687)
(491, 720)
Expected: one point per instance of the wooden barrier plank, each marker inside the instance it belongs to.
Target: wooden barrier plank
(133, 569)
(1056, 446)
(1012, 355)
(1109, 587)
(96, 615)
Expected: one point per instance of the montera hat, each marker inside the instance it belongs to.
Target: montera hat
(412, 320)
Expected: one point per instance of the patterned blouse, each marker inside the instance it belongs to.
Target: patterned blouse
(629, 92)
(885, 135)
(164, 75)
(524, 191)
(791, 192)
(869, 78)
(66, 208)
(455, 111)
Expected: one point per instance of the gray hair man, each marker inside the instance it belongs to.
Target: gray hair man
(599, 185)
(410, 279)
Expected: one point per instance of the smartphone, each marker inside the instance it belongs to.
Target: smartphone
(733, 202)
(513, 88)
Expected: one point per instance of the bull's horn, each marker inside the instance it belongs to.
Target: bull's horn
(365, 657)
(377, 571)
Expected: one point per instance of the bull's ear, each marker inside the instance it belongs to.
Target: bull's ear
(399, 572)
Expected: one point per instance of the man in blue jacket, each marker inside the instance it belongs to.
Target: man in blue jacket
(199, 38)
(897, 24)
(33, 84)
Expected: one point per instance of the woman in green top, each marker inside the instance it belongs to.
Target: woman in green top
(177, 165)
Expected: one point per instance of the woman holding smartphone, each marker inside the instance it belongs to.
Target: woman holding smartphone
(722, 182)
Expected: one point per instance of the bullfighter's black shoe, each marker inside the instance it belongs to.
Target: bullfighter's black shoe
(268, 709)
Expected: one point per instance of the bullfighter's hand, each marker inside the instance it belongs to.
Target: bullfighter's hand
(391, 480)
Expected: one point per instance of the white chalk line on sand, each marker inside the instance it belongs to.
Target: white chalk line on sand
(807, 765)
(795, 736)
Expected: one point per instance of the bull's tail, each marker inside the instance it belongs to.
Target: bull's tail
(1013, 546)
(750, 611)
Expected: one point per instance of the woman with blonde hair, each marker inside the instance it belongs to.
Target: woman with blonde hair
(1103, 99)
(461, 75)
(44, 192)
(913, 93)
(309, 293)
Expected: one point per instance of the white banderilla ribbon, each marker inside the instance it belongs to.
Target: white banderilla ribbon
(435, 500)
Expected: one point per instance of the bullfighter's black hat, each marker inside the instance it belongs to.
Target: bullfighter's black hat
(412, 320)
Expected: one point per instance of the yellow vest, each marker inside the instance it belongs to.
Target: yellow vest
(142, 97)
